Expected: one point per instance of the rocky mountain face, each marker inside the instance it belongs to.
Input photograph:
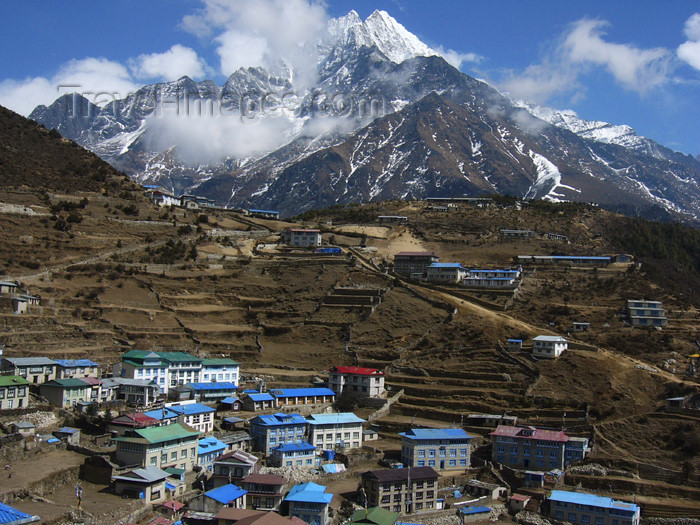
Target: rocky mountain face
(387, 118)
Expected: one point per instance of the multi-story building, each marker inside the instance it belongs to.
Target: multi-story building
(579, 507)
(340, 431)
(309, 502)
(77, 368)
(265, 491)
(167, 369)
(366, 382)
(208, 450)
(405, 490)
(446, 272)
(234, 467)
(219, 370)
(535, 448)
(300, 454)
(36, 370)
(65, 393)
(413, 264)
(270, 431)
(164, 446)
(183, 368)
(439, 448)
(549, 346)
(301, 238)
(302, 396)
(198, 416)
(14, 392)
(204, 392)
(134, 392)
(646, 313)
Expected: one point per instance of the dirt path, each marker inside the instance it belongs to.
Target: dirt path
(38, 467)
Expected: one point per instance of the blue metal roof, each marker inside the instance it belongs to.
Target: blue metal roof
(226, 493)
(223, 385)
(330, 419)
(582, 498)
(474, 510)
(291, 447)
(587, 257)
(179, 410)
(302, 392)
(446, 265)
(279, 419)
(208, 445)
(73, 363)
(230, 400)
(515, 340)
(11, 515)
(436, 433)
(264, 211)
(261, 397)
(507, 270)
(309, 493)
(67, 430)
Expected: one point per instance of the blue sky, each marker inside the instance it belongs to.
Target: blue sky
(635, 63)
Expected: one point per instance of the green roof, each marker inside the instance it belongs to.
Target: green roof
(213, 361)
(12, 381)
(68, 383)
(166, 433)
(374, 516)
(178, 356)
(175, 471)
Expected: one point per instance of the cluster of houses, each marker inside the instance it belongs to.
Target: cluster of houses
(15, 298)
(427, 266)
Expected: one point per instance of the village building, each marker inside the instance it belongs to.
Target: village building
(515, 345)
(198, 416)
(402, 219)
(22, 302)
(480, 489)
(301, 238)
(163, 198)
(77, 368)
(164, 446)
(68, 435)
(517, 502)
(535, 448)
(147, 484)
(230, 516)
(204, 392)
(338, 431)
(121, 424)
(439, 448)
(36, 370)
(309, 502)
(24, 428)
(194, 202)
(302, 396)
(134, 392)
(406, 490)
(520, 234)
(579, 327)
(478, 202)
(446, 272)
(646, 313)
(581, 260)
(260, 401)
(233, 466)
(263, 214)
(14, 392)
(299, 454)
(265, 491)
(219, 369)
(414, 264)
(556, 237)
(8, 287)
(65, 393)
(490, 420)
(209, 449)
(166, 369)
(579, 507)
(549, 346)
(365, 382)
(492, 278)
(269, 431)
(212, 501)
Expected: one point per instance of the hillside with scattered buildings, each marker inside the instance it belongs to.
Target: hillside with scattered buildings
(484, 320)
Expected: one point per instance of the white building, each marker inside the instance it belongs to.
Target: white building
(342, 430)
(446, 272)
(551, 346)
(163, 198)
(366, 382)
(302, 238)
(166, 369)
(220, 370)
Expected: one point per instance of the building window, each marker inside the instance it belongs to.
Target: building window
(462, 452)
(421, 453)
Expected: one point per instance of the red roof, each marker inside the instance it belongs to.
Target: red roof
(90, 380)
(530, 433)
(413, 254)
(357, 370)
(172, 504)
(520, 497)
(137, 419)
(265, 479)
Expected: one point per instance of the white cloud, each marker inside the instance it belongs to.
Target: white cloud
(632, 67)
(170, 65)
(540, 82)
(689, 51)
(457, 59)
(98, 79)
(276, 30)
